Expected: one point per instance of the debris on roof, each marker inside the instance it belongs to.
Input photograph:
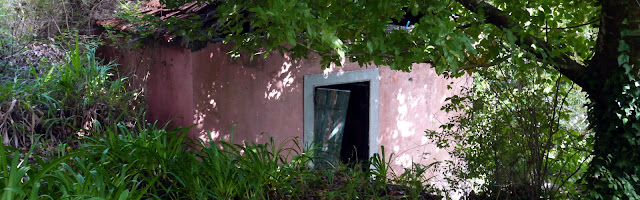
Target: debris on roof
(205, 12)
(153, 3)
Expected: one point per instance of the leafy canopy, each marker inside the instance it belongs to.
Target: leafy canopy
(447, 34)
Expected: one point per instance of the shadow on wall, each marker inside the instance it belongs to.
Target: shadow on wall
(163, 75)
(145, 68)
(215, 92)
(259, 96)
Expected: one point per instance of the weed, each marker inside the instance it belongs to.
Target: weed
(381, 169)
(23, 172)
(60, 99)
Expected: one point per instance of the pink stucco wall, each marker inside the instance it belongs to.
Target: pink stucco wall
(215, 92)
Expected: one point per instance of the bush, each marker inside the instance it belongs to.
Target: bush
(521, 134)
(29, 19)
(60, 96)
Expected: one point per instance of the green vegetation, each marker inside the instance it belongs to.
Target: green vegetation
(155, 163)
(590, 43)
(71, 130)
(85, 144)
(32, 19)
(529, 60)
(522, 134)
(59, 95)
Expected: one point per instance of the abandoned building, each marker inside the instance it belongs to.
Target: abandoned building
(276, 96)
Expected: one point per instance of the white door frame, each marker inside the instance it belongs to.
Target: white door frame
(368, 75)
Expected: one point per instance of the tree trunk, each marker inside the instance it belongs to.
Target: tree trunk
(613, 112)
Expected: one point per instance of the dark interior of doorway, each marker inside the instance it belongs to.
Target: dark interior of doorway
(355, 142)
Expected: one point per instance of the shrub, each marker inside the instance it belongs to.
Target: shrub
(58, 98)
(30, 19)
(521, 134)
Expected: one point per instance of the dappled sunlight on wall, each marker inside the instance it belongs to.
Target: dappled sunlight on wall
(404, 127)
(250, 96)
(264, 97)
(410, 104)
(333, 68)
(282, 81)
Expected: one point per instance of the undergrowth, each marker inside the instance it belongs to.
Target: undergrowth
(29, 19)
(149, 162)
(56, 90)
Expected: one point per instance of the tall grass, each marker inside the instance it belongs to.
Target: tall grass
(59, 99)
(23, 172)
(172, 166)
(151, 162)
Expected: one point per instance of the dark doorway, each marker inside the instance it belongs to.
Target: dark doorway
(355, 142)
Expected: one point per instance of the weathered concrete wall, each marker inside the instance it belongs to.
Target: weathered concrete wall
(163, 75)
(209, 89)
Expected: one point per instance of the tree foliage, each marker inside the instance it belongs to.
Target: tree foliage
(521, 134)
(593, 43)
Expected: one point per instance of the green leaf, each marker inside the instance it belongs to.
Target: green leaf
(13, 189)
(511, 37)
(124, 195)
(623, 59)
(623, 46)
(369, 47)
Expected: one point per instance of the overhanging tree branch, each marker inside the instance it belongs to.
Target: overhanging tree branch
(564, 63)
(473, 66)
(575, 26)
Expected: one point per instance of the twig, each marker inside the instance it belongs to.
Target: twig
(575, 26)
(478, 65)
(483, 65)
(66, 15)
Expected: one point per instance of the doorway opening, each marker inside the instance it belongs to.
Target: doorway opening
(356, 81)
(355, 139)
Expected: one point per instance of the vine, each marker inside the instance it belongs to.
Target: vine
(617, 173)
